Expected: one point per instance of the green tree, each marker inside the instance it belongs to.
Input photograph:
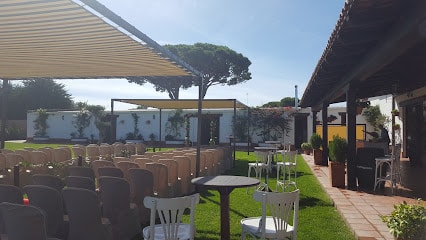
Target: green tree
(36, 94)
(219, 64)
(101, 121)
(373, 116)
(285, 102)
(270, 123)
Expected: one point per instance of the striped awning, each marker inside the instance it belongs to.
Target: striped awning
(77, 39)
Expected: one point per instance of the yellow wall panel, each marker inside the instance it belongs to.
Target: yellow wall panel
(341, 131)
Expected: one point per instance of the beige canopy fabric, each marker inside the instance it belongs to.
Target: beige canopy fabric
(77, 39)
(184, 103)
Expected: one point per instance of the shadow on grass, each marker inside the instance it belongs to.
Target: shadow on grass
(311, 202)
(207, 197)
(214, 237)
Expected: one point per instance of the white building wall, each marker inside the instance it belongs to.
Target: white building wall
(60, 124)
(385, 105)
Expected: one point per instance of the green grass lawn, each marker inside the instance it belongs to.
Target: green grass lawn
(16, 145)
(318, 219)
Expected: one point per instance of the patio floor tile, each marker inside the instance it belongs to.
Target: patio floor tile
(362, 209)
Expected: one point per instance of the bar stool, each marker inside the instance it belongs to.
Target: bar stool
(263, 162)
(288, 165)
(393, 164)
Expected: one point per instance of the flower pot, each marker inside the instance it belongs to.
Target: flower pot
(318, 156)
(337, 174)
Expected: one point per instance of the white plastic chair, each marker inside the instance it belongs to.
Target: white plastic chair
(283, 221)
(170, 211)
(289, 170)
(263, 163)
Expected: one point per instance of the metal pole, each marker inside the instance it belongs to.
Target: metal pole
(233, 130)
(4, 113)
(248, 130)
(112, 122)
(161, 117)
(200, 106)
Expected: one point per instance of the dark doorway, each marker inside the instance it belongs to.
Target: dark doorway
(416, 134)
(300, 129)
(210, 122)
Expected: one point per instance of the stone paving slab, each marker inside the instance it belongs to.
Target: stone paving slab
(360, 210)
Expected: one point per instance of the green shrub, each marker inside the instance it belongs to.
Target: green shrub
(338, 149)
(306, 146)
(407, 221)
(316, 141)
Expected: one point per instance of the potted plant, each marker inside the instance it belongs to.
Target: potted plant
(40, 125)
(361, 104)
(338, 149)
(316, 141)
(81, 122)
(395, 112)
(396, 127)
(241, 130)
(135, 136)
(174, 126)
(407, 221)
(306, 147)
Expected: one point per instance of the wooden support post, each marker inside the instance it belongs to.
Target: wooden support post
(351, 138)
(324, 134)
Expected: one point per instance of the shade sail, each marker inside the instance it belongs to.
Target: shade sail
(184, 103)
(77, 39)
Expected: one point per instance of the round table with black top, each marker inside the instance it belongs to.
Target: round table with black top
(224, 184)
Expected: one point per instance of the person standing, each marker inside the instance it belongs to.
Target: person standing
(384, 137)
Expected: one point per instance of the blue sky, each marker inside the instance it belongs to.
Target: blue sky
(283, 39)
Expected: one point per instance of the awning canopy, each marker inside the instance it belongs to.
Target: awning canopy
(184, 103)
(377, 48)
(77, 39)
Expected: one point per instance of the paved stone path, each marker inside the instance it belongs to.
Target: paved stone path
(361, 210)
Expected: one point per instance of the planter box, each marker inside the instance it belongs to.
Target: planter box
(261, 144)
(318, 157)
(40, 139)
(307, 152)
(79, 140)
(175, 142)
(134, 141)
(242, 144)
(337, 174)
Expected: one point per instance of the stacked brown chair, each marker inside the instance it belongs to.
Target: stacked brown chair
(160, 173)
(18, 217)
(125, 166)
(50, 201)
(85, 221)
(175, 182)
(124, 217)
(92, 152)
(141, 186)
(110, 172)
(100, 163)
